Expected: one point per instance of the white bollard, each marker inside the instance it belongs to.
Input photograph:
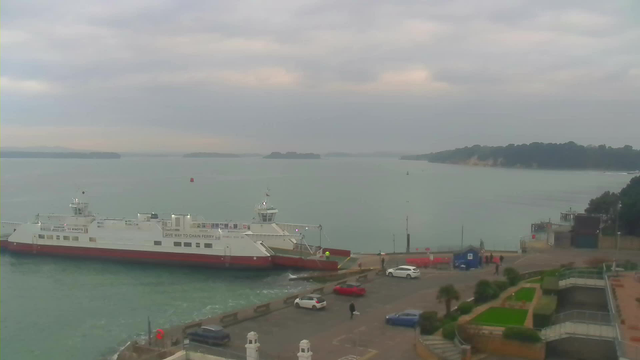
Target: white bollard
(305, 350)
(252, 346)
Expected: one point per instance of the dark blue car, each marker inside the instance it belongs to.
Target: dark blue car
(406, 318)
(210, 335)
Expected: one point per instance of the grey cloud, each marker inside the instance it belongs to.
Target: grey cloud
(327, 75)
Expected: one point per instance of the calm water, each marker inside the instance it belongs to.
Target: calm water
(78, 309)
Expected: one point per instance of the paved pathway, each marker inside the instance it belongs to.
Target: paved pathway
(334, 336)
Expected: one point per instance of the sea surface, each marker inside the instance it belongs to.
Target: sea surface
(54, 308)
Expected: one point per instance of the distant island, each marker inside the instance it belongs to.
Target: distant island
(58, 155)
(292, 155)
(540, 155)
(210, 155)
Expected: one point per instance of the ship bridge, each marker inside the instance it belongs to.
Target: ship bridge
(280, 235)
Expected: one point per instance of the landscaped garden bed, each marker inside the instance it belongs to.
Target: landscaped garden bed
(525, 294)
(501, 317)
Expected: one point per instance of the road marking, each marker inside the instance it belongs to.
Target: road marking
(336, 341)
(371, 354)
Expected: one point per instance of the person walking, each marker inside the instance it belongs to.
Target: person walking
(486, 260)
(352, 309)
(497, 269)
(501, 259)
(382, 262)
(491, 257)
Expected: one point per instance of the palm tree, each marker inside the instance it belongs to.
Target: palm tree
(447, 294)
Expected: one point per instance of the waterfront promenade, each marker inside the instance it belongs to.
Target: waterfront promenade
(334, 336)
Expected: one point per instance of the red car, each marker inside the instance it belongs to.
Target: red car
(350, 290)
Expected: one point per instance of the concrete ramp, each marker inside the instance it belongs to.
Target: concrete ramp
(574, 281)
(578, 329)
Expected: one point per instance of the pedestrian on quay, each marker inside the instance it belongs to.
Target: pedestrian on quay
(501, 259)
(382, 262)
(352, 309)
(497, 269)
(491, 257)
(486, 260)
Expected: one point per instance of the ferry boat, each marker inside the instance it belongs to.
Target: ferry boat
(182, 239)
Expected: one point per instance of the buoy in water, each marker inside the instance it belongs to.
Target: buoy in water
(191, 180)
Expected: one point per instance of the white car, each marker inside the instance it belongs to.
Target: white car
(409, 272)
(312, 301)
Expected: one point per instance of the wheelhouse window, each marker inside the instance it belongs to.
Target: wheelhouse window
(158, 243)
(187, 244)
(208, 245)
(40, 236)
(177, 243)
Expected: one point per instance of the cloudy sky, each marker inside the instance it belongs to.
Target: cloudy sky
(416, 76)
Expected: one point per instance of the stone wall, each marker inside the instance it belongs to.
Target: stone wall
(626, 242)
(496, 345)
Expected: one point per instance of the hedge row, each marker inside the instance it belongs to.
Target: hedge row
(544, 310)
(522, 334)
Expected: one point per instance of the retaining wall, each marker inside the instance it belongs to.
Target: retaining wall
(626, 242)
(497, 345)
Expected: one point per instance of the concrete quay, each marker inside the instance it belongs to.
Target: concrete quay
(334, 336)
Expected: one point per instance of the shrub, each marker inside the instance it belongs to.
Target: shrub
(429, 322)
(451, 317)
(485, 291)
(449, 331)
(512, 275)
(465, 307)
(521, 334)
(550, 285)
(543, 311)
(501, 285)
(552, 272)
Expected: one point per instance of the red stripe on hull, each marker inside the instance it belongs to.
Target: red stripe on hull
(302, 263)
(144, 256)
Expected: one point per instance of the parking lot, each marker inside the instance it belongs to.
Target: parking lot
(334, 336)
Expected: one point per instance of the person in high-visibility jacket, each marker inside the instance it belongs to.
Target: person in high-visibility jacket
(326, 255)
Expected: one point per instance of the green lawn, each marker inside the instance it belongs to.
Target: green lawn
(497, 316)
(534, 281)
(524, 294)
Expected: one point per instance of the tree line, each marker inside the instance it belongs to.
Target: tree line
(541, 155)
(623, 206)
